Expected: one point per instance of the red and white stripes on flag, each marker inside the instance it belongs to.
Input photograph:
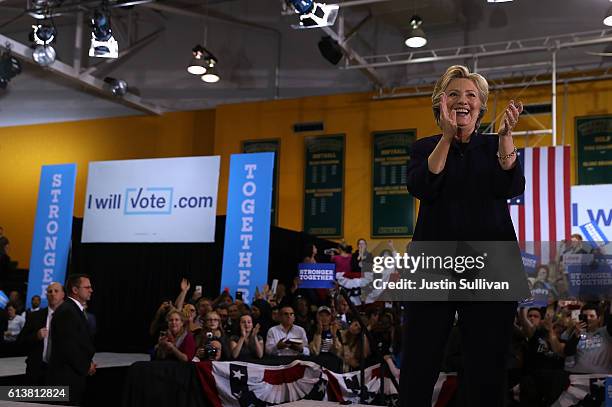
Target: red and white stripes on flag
(235, 384)
(542, 214)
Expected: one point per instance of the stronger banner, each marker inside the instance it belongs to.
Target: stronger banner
(52, 229)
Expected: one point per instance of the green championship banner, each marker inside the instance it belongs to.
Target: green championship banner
(324, 186)
(265, 146)
(594, 149)
(392, 206)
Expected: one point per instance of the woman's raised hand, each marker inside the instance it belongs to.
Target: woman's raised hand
(510, 118)
(448, 120)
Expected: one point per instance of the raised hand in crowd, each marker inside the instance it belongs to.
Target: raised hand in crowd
(180, 300)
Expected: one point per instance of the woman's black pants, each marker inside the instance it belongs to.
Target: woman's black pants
(486, 333)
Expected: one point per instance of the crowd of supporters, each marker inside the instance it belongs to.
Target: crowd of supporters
(277, 326)
(549, 342)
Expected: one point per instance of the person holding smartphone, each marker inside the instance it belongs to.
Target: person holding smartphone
(589, 344)
(176, 343)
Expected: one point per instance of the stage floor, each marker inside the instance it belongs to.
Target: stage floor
(16, 366)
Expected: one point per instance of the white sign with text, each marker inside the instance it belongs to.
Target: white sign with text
(152, 200)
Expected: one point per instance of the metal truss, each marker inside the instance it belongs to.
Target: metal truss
(85, 80)
(477, 52)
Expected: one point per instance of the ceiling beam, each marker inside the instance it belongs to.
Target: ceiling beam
(87, 82)
(478, 51)
(351, 54)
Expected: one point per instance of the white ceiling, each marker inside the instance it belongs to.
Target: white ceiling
(249, 53)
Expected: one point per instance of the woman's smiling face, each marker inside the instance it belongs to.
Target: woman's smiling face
(463, 97)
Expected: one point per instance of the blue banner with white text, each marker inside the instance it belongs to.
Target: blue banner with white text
(317, 275)
(52, 229)
(247, 224)
(591, 281)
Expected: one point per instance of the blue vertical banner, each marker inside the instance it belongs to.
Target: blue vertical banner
(247, 224)
(52, 229)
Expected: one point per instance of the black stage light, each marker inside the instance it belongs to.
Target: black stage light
(9, 68)
(118, 87)
(330, 50)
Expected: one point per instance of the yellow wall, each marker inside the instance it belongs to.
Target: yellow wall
(24, 149)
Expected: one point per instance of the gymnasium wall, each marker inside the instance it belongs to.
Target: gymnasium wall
(24, 149)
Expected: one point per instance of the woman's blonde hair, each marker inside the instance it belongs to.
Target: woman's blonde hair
(457, 72)
(175, 311)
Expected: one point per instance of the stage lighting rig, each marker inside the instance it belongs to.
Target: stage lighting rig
(197, 66)
(118, 87)
(211, 75)
(313, 14)
(9, 67)
(103, 44)
(42, 35)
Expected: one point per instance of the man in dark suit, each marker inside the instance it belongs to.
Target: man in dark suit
(34, 336)
(72, 347)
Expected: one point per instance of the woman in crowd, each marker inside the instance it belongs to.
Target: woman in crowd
(213, 324)
(355, 347)
(249, 345)
(213, 329)
(542, 283)
(204, 306)
(361, 256)
(177, 343)
(261, 311)
(463, 179)
(310, 255)
(326, 343)
(190, 314)
(342, 258)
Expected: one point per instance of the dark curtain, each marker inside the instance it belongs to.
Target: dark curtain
(131, 279)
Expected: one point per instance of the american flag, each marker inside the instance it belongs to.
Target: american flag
(542, 214)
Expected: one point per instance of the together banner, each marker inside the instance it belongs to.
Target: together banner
(52, 229)
(247, 225)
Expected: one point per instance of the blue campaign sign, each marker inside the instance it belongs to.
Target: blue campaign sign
(529, 263)
(317, 275)
(594, 235)
(247, 225)
(608, 391)
(593, 281)
(52, 229)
